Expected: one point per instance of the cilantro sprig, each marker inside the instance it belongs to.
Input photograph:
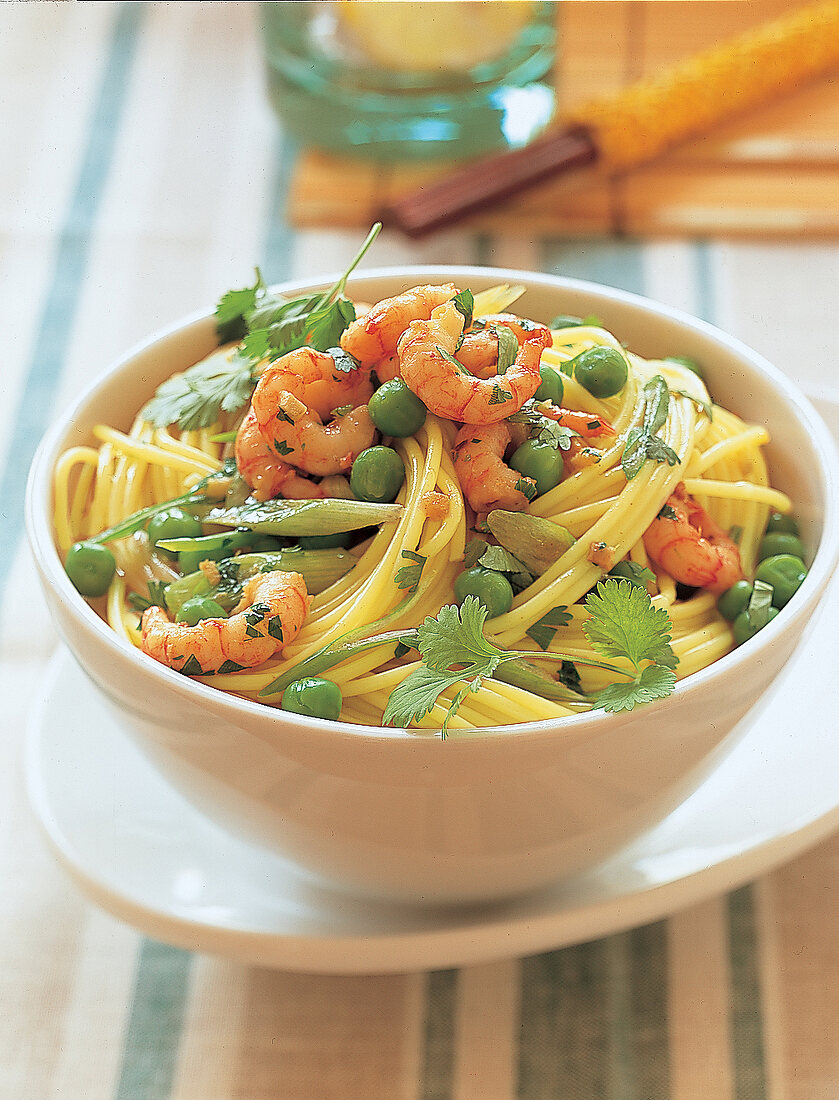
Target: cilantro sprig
(643, 442)
(266, 325)
(623, 624)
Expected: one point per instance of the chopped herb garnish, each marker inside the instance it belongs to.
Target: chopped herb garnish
(705, 406)
(450, 358)
(544, 630)
(526, 486)
(499, 396)
(344, 362)
(156, 597)
(465, 304)
(409, 575)
(760, 604)
(643, 442)
(508, 348)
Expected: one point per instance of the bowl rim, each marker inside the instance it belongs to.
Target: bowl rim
(236, 709)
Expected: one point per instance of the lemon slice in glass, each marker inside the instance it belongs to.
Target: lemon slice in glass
(438, 35)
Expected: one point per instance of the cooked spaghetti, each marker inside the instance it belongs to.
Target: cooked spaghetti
(545, 492)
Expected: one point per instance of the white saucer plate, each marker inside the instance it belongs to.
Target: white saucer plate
(141, 852)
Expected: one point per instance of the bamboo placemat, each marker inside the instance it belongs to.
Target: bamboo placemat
(772, 173)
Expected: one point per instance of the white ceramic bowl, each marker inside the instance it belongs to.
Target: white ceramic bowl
(404, 814)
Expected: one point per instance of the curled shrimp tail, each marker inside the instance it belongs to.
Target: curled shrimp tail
(429, 367)
(691, 547)
(269, 615)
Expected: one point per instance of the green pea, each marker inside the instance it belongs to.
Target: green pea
(325, 542)
(551, 387)
(567, 320)
(540, 461)
(396, 410)
(173, 523)
(780, 542)
(686, 361)
(743, 628)
(193, 611)
(493, 589)
(313, 697)
(377, 475)
(91, 567)
(735, 600)
(785, 572)
(778, 522)
(601, 371)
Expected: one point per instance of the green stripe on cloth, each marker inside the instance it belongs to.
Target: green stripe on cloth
(746, 1017)
(438, 1038)
(564, 1044)
(154, 1027)
(594, 1022)
(163, 973)
(60, 303)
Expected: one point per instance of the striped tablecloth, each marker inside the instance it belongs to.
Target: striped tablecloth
(141, 174)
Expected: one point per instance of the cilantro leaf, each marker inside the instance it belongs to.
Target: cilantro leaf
(624, 623)
(456, 636)
(233, 307)
(223, 382)
(416, 695)
(543, 630)
(654, 682)
(409, 575)
(266, 325)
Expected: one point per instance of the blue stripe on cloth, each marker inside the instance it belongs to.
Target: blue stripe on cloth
(279, 240)
(611, 262)
(60, 303)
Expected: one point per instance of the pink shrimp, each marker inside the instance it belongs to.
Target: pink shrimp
(269, 615)
(296, 394)
(374, 337)
(685, 542)
(587, 425)
(487, 481)
(426, 354)
(479, 349)
(267, 474)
